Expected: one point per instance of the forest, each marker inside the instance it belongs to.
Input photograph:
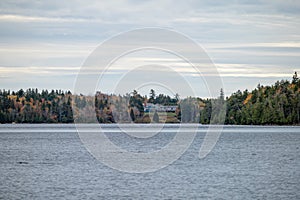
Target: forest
(277, 104)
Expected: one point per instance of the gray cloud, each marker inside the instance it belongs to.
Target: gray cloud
(58, 34)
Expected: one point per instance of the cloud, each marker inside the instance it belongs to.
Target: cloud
(25, 19)
(254, 40)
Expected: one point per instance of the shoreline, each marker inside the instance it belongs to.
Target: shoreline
(150, 124)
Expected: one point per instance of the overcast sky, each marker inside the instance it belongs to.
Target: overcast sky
(43, 44)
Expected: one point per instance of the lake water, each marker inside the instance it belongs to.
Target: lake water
(248, 162)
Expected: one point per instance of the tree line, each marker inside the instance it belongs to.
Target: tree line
(278, 104)
(32, 106)
(128, 108)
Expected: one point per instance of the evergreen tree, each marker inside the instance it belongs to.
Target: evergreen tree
(152, 96)
(132, 116)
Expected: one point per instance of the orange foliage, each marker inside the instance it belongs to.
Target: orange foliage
(291, 86)
(12, 96)
(247, 99)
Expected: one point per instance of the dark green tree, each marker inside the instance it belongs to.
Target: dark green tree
(132, 116)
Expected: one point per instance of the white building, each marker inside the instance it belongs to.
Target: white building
(159, 108)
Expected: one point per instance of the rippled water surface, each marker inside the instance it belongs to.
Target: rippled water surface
(50, 162)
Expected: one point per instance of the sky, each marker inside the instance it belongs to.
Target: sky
(44, 44)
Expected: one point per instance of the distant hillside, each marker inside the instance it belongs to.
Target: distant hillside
(278, 104)
(32, 106)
